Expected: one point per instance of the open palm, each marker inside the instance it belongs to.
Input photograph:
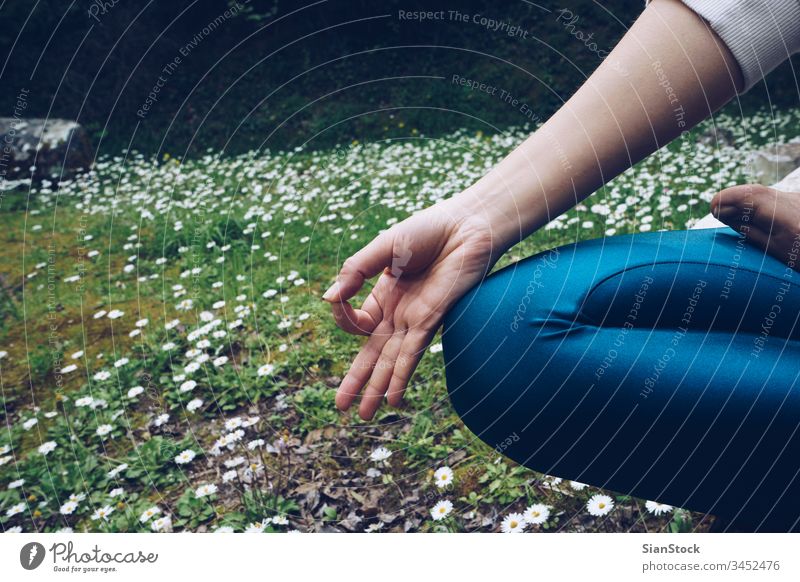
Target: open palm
(426, 263)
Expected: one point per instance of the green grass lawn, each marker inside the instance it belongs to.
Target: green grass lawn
(166, 362)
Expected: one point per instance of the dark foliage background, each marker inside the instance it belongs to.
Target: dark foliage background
(280, 73)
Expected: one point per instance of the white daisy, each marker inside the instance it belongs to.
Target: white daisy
(380, 454)
(162, 524)
(68, 507)
(441, 510)
(599, 505)
(47, 447)
(513, 523)
(84, 401)
(185, 457)
(255, 527)
(135, 391)
(443, 477)
(104, 429)
(658, 508)
(148, 513)
(15, 509)
(102, 513)
(205, 490)
(536, 514)
(117, 470)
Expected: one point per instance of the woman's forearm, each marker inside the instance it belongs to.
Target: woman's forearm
(668, 73)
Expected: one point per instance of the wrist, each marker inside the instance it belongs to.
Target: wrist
(492, 210)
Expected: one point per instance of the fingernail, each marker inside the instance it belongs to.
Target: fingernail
(332, 290)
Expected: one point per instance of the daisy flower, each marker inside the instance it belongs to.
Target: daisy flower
(148, 513)
(102, 513)
(443, 477)
(135, 391)
(380, 454)
(104, 429)
(441, 510)
(15, 509)
(188, 386)
(657, 508)
(513, 523)
(205, 490)
(185, 457)
(599, 505)
(117, 470)
(68, 507)
(47, 447)
(162, 524)
(536, 514)
(577, 486)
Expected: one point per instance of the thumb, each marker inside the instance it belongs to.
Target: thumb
(363, 265)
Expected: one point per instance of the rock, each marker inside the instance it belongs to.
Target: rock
(50, 145)
(770, 165)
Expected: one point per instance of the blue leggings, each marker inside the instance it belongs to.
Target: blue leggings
(661, 365)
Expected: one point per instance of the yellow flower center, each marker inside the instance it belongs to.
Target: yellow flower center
(514, 523)
(602, 505)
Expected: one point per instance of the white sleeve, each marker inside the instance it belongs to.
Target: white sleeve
(760, 34)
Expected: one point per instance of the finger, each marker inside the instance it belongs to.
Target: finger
(355, 321)
(361, 368)
(381, 374)
(372, 306)
(411, 352)
(753, 233)
(363, 265)
(740, 196)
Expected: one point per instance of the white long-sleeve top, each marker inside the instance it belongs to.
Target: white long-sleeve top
(760, 34)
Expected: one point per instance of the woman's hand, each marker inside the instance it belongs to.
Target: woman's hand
(426, 263)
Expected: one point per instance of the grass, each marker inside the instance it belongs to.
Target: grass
(112, 283)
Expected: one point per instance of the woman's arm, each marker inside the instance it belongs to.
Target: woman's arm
(669, 72)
